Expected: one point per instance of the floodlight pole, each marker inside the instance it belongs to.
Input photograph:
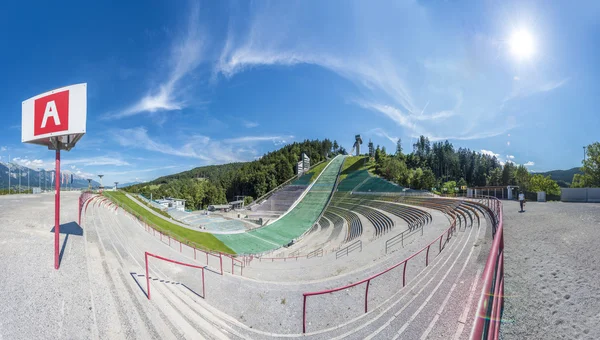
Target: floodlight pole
(57, 209)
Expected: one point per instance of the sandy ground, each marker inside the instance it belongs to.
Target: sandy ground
(552, 271)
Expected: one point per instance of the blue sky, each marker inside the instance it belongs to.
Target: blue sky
(173, 85)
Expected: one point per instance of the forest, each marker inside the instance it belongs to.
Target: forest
(217, 184)
(429, 165)
(440, 165)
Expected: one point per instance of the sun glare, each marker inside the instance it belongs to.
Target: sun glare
(521, 44)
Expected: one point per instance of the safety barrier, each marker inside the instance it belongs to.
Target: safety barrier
(491, 303)
(347, 250)
(315, 253)
(446, 234)
(400, 238)
(147, 254)
(83, 198)
(196, 250)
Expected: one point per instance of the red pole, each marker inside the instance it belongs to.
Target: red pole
(404, 275)
(304, 316)
(57, 211)
(147, 277)
(367, 294)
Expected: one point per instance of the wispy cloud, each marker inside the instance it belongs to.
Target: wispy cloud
(527, 91)
(382, 133)
(249, 124)
(530, 163)
(254, 139)
(117, 173)
(96, 161)
(510, 157)
(192, 146)
(185, 56)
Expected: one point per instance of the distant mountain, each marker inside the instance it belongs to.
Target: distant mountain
(43, 178)
(124, 185)
(562, 177)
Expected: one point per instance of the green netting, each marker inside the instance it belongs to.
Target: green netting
(363, 181)
(303, 180)
(292, 225)
(376, 184)
(353, 180)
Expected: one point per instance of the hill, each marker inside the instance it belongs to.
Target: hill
(562, 177)
(216, 184)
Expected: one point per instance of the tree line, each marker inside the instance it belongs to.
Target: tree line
(218, 184)
(440, 165)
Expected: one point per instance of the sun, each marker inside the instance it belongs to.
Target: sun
(522, 44)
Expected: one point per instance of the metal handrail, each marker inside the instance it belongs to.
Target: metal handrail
(347, 250)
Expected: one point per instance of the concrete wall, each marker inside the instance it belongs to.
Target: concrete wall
(580, 195)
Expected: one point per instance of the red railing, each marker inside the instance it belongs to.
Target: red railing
(491, 303)
(447, 234)
(83, 198)
(147, 254)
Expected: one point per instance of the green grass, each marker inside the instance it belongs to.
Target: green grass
(353, 163)
(317, 170)
(201, 240)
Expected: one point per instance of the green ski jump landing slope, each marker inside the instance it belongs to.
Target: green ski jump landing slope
(301, 218)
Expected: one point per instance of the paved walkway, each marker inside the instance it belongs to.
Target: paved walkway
(552, 271)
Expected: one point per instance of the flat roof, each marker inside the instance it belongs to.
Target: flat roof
(220, 206)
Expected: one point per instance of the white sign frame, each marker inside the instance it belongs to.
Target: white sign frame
(77, 119)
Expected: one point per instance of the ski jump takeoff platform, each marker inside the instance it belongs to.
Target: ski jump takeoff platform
(55, 119)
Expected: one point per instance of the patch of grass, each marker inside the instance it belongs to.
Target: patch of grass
(317, 170)
(283, 301)
(354, 163)
(203, 240)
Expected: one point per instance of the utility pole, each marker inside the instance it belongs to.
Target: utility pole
(584, 153)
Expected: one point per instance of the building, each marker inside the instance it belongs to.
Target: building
(172, 203)
(219, 207)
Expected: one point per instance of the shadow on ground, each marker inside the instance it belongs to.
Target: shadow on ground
(71, 228)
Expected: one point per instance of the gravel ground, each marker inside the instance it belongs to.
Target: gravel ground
(552, 271)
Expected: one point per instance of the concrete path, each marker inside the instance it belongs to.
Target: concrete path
(552, 271)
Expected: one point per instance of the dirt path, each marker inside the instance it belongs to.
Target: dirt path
(552, 271)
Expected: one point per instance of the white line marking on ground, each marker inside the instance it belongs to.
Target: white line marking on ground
(420, 309)
(454, 285)
(463, 318)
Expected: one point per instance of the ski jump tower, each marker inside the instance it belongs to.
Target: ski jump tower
(356, 146)
(101, 186)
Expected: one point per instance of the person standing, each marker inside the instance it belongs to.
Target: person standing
(522, 200)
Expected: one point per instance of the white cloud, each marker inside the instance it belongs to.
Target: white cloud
(510, 157)
(116, 173)
(249, 124)
(490, 153)
(185, 56)
(382, 133)
(253, 139)
(3, 148)
(535, 88)
(530, 163)
(100, 160)
(194, 146)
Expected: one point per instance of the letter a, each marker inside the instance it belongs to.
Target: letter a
(50, 112)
